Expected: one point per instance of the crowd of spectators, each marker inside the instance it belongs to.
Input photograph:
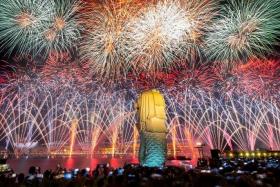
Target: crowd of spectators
(234, 172)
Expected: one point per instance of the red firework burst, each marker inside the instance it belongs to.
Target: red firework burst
(258, 78)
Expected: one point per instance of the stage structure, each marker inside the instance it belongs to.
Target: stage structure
(152, 128)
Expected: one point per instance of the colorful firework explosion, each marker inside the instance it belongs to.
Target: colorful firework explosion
(61, 93)
(22, 23)
(243, 30)
(39, 27)
(101, 47)
(64, 28)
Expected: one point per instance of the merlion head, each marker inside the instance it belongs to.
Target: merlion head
(150, 108)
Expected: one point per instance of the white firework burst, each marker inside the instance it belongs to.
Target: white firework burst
(165, 33)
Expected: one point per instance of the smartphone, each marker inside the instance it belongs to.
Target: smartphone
(131, 176)
(76, 171)
(40, 176)
(67, 176)
(120, 171)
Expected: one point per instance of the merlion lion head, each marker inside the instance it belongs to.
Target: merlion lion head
(151, 111)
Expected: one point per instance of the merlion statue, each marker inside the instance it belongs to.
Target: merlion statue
(152, 128)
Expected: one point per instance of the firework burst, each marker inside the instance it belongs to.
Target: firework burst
(39, 27)
(244, 30)
(105, 24)
(64, 28)
(65, 69)
(166, 32)
(258, 78)
(21, 23)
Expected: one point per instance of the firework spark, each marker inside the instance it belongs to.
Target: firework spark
(164, 33)
(33, 113)
(244, 30)
(101, 46)
(258, 78)
(64, 28)
(21, 23)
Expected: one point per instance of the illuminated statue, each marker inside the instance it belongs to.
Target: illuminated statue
(152, 129)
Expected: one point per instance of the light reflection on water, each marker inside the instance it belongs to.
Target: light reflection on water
(22, 165)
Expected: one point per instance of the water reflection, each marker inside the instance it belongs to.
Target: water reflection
(22, 164)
